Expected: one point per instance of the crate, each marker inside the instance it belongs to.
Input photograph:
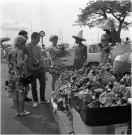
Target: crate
(81, 128)
(101, 116)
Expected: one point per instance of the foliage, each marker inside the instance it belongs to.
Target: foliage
(99, 10)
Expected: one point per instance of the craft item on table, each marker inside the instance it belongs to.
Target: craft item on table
(119, 50)
(68, 60)
(122, 63)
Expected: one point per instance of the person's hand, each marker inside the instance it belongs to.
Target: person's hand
(129, 100)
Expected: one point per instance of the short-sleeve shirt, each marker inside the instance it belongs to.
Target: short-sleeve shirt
(81, 52)
(34, 59)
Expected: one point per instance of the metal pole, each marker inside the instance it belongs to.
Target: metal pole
(42, 40)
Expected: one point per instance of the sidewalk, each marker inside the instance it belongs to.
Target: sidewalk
(40, 121)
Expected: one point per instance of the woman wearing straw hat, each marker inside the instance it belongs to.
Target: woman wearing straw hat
(109, 27)
(106, 47)
(80, 55)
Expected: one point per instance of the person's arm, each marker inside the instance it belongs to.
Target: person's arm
(85, 53)
(25, 54)
(25, 58)
(19, 57)
(9, 57)
(52, 54)
(44, 54)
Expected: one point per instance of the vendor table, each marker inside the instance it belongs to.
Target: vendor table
(64, 124)
(80, 127)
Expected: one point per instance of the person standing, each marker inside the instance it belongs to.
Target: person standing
(55, 55)
(25, 34)
(16, 70)
(80, 55)
(7, 49)
(35, 65)
(127, 41)
(2, 53)
(106, 47)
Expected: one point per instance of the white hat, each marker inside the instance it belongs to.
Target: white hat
(79, 36)
(108, 25)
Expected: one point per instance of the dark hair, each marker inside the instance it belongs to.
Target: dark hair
(34, 35)
(127, 38)
(22, 32)
(107, 31)
(53, 37)
(100, 45)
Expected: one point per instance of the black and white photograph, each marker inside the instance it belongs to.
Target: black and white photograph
(66, 67)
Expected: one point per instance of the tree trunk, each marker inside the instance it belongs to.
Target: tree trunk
(118, 35)
(119, 32)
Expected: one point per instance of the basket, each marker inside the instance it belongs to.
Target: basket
(101, 116)
(104, 115)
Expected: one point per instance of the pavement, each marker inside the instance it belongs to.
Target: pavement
(41, 120)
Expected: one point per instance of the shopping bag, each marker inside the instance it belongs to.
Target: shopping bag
(26, 80)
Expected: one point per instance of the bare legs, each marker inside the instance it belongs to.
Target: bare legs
(18, 100)
(15, 101)
(54, 79)
(21, 101)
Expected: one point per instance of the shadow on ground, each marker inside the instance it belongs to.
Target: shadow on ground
(40, 121)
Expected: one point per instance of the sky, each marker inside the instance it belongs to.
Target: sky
(50, 16)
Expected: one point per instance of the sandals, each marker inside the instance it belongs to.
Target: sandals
(17, 114)
(24, 114)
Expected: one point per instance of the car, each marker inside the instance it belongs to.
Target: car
(93, 55)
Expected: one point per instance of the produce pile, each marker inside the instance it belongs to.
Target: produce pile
(97, 87)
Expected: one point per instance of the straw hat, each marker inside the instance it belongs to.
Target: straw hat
(79, 36)
(108, 25)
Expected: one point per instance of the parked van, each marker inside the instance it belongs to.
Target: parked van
(93, 55)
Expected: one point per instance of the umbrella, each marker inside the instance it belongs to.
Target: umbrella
(4, 39)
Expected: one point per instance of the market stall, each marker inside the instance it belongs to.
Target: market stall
(95, 100)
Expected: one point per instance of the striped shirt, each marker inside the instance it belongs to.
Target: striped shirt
(35, 58)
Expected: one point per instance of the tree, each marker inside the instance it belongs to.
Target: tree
(99, 10)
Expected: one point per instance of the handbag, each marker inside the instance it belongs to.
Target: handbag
(27, 79)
